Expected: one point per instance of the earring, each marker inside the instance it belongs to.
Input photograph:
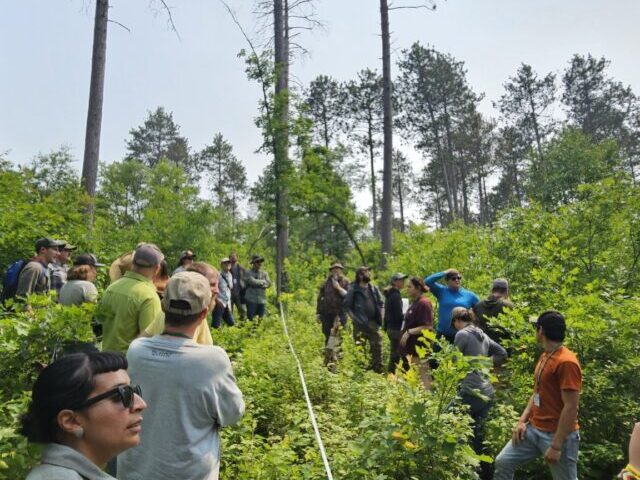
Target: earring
(79, 432)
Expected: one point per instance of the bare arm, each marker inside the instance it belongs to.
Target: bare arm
(568, 416)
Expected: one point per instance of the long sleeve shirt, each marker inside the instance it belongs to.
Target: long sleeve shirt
(448, 299)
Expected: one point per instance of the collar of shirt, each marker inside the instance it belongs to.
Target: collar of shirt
(137, 276)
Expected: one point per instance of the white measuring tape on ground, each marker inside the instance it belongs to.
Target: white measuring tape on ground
(312, 415)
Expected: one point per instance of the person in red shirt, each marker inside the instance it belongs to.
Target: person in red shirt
(549, 424)
(419, 317)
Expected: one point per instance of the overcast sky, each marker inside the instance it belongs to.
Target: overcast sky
(45, 56)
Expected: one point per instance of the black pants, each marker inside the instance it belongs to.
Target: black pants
(328, 320)
(479, 411)
(394, 348)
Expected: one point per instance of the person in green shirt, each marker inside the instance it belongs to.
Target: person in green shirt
(131, 304)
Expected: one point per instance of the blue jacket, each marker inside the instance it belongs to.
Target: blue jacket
(448, 299)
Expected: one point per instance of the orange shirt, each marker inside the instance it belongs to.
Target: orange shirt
(554, 372)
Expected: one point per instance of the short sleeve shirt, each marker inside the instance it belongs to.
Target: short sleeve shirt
(557, 372)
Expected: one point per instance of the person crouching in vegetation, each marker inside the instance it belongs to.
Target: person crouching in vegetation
(85, 412)
(79, 287)
(419, 317)
(475, 389)
(363, 303)
(548, 425)
(393, 317)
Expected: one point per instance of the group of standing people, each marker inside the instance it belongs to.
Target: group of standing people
(87, 407)
(548, 426)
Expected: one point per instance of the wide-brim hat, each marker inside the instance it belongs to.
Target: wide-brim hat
(336, 265)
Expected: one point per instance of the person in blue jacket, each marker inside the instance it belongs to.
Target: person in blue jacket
(450, 296)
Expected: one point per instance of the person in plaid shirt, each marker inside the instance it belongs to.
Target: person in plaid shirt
(58, 269)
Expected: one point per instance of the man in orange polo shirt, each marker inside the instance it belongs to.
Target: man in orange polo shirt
(549, 424)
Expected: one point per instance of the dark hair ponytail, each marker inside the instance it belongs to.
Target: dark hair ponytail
(64, 384)
(418, 284)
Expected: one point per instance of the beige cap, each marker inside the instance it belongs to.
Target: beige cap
(186, 293)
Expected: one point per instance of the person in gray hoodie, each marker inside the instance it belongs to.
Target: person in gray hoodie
(85, 412)
(475, 389)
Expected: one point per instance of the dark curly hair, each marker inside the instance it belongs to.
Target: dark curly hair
(64, 384)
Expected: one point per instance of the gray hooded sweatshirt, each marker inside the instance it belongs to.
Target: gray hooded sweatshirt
(473, 342)
(60, 462)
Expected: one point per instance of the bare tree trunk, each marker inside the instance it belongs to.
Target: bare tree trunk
(281, 114)
(94, 113)
(400, 201)
(536, 128)
(374, 204)
(386, 221)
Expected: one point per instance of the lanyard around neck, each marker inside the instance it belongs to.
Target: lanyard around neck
(542, 367)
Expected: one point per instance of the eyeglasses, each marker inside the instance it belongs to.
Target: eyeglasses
(125, 392)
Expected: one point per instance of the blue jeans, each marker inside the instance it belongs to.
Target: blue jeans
(254, 309)
(222, 313)
(535, 444)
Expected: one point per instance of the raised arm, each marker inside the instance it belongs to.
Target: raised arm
(432, 282)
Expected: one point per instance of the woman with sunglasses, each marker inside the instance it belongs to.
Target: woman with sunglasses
(450, 296)
(85, 412)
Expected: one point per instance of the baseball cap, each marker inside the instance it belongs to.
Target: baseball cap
(147, 255)
(186, 293)
(47, 242)
(87, 259)
(225, 260)
(500, 283)
(398, 276)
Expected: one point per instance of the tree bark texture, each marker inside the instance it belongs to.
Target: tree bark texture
(96, 96)
(386, 220)
(281, 141)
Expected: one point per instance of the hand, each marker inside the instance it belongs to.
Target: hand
(519, 433)
(404, 339)
(318, 318)
(552, 455)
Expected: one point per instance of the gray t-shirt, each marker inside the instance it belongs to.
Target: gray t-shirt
(190, 392)
(473, 342)
(77, 292)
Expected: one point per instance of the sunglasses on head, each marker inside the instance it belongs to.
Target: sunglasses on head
(125, 392)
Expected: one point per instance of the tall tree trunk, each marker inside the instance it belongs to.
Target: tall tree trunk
(450, 164)
(374, 199)
(96, 97)
(536, 128)
(400, 201)
(281, 133)
(386, 222)
(440, 157)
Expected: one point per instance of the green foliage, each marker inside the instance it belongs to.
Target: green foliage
(571, 159)
(29, 340)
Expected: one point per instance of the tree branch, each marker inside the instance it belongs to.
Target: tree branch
(118, 23)
(170, 18)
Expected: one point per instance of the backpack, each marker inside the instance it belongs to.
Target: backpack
(10, 280)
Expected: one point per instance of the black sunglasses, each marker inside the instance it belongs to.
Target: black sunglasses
(455, 278)
(125, 392)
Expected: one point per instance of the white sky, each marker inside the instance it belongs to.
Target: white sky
(45, 55)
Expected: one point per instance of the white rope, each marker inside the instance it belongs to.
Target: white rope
(306, 396)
